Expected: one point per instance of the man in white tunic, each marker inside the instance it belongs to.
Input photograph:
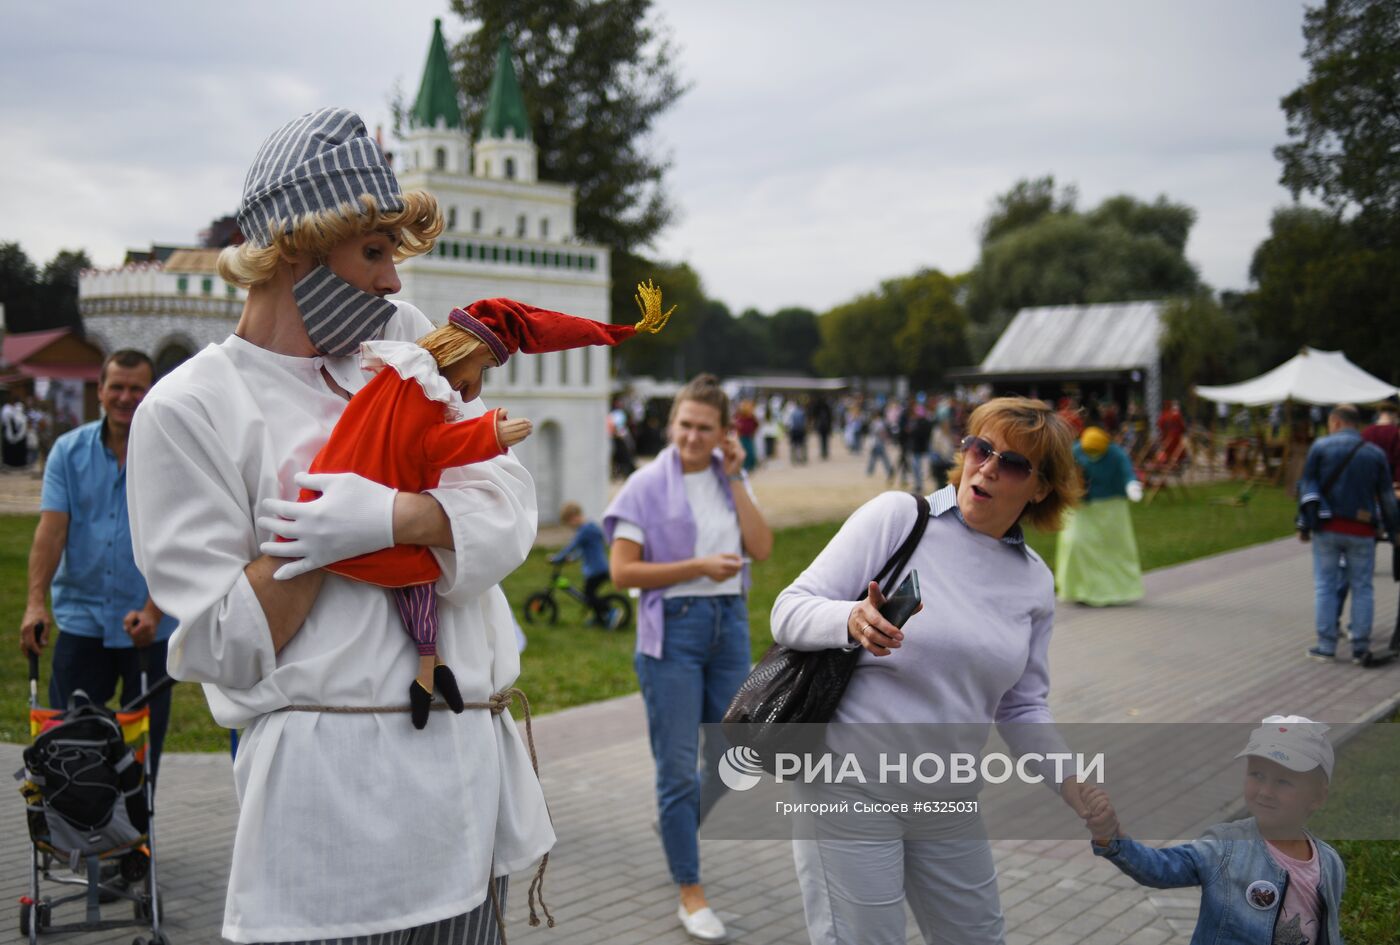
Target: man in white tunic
(350, 824)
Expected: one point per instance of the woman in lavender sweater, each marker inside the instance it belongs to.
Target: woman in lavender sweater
(975, 653)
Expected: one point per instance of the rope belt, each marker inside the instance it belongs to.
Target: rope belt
(498, 702)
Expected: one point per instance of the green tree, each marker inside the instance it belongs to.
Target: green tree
(1319, 282)
(1121, 251)
(18, 287)
(1025, 203)
(36, 300)
(1169, 222)
(1344, 142)
(1199, 342)
(794, 339)
(753, 341)
(59, 288)
(858, 338)
(912, 326)
(934, 336)
(595, 75)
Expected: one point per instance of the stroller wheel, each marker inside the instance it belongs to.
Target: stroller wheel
(41, 913)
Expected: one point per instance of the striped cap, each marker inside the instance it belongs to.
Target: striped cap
(316, 162)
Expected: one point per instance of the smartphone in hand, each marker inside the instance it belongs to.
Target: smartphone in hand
(900, 605)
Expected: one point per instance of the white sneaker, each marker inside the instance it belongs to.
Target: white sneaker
(703, 926)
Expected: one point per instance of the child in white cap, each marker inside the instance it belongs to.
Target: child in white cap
(1264, 880)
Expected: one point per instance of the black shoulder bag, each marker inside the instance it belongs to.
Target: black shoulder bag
(794, 686)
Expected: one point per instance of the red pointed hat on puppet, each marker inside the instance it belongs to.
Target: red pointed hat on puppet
(507, 326)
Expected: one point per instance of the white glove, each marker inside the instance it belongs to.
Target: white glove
(352, 516)
(1134, 491)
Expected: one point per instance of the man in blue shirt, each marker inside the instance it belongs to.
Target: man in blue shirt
(1344, 493)
(82, 551)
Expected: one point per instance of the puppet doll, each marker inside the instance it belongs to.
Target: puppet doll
(405, 426)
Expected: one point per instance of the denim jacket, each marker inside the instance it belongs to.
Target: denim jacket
(1225, 862)
(1361, 492)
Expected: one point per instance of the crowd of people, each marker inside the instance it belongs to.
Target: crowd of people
(311, 661)
(29, 425)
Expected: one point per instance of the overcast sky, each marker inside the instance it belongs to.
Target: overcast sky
(824, 146)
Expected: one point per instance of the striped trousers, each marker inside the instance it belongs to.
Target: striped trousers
(477, 927)
(417, 605)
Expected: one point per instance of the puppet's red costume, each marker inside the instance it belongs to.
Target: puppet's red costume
(397, 431)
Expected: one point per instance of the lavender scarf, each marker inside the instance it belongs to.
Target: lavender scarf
(653, 498)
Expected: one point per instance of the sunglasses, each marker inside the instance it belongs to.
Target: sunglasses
(1012, 465)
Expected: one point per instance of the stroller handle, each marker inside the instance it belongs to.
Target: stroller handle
(33, 667)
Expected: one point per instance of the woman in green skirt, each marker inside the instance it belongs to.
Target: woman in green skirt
(1096, 560)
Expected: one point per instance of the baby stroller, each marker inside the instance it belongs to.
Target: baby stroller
(86, 782)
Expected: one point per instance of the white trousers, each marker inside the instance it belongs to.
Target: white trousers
(854, 888)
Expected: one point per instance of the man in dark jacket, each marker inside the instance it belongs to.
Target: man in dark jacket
(1345, 491)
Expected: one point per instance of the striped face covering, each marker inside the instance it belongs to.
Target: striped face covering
(339, 316)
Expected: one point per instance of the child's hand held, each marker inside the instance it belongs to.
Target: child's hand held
(1100, 817)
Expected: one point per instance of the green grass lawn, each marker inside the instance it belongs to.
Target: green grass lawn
(1362, 801)
(1363, 794)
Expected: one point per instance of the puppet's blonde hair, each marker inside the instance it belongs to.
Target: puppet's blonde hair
(450, 344)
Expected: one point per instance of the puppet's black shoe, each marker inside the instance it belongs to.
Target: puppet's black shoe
(446, 683)
(420, 702)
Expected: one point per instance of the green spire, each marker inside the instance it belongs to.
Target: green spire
(437, 95)
(505, 106)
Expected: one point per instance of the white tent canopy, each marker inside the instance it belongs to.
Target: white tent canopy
(1309, 377)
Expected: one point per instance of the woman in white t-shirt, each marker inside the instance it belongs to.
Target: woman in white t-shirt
(681, 529)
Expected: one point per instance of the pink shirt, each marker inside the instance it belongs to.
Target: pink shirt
(1298, 916)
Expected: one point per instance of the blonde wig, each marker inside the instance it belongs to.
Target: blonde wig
(314, 235)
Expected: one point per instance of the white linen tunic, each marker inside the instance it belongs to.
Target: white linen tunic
(348, 824)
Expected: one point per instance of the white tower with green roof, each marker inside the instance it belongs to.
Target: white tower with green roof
(511, 234)
(437, 137)
(506, 149)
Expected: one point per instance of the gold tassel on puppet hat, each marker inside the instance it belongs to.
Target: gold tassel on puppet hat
(648, 299)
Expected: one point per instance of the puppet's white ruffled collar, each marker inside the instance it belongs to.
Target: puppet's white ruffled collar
(412, 363)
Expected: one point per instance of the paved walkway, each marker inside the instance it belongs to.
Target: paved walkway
(1216, 640)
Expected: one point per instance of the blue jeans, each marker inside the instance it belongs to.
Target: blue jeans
(1329, 577)
(84, 663)
(878, 454)
(705, 658)
(916, 461)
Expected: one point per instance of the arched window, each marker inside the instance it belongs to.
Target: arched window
(452, 218)
(476, 221)
(544, 228)
(510, 168)
(520, 225)
(440, 159)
